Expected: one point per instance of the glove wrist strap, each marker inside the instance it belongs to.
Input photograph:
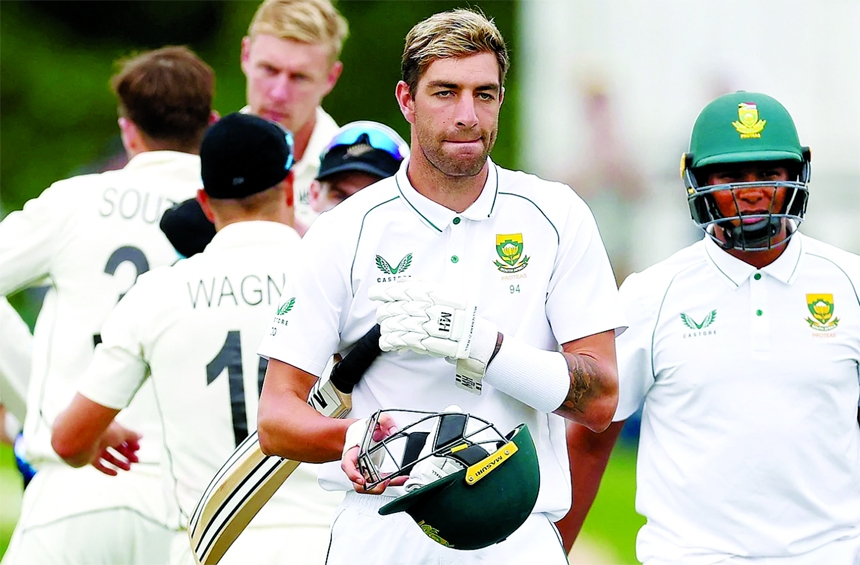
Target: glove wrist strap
(470, 371)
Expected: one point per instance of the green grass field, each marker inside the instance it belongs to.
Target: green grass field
(611, 526)
(10, 495)
(612, 523)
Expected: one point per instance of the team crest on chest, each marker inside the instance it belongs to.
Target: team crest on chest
(509, 247)
(393, 273)
(699, 329)
(822, 308)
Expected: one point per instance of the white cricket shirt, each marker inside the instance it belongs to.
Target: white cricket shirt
(16, 356)
(527, 251)
(749, 443)
(90, 236)
(192, 329)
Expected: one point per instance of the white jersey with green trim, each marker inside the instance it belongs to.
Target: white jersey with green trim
(527, 252)
(192, 331)
(89, 237)
(750, 444)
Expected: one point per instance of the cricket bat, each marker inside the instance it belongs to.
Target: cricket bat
(248, 479)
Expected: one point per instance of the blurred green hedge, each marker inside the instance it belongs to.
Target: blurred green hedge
(58, 117)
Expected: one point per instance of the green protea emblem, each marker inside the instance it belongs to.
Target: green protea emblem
(509, 247)
(821, 307)
(694, 325)
(386, 267)
(433, 533)
(286, 306)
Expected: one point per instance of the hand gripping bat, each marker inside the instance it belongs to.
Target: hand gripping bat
(248, 479)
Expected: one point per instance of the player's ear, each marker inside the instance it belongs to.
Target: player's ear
(314, 192)
(333, 75)
(405, 101)
(245, 55)
(203, 199)
(132, 139)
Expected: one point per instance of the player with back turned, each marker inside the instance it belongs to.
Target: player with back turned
(745, 348)
(290, 59)
(91, 236)
(450, 225)
(218, 301)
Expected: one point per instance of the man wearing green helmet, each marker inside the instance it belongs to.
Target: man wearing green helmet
(744, 348)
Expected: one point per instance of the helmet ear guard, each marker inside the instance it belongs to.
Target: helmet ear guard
(490, 493)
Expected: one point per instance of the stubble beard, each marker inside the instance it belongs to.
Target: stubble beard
(454, 165)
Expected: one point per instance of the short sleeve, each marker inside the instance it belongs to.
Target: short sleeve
(582, 298)
(305, 328)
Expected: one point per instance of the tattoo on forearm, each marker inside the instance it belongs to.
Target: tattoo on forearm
(581, 378)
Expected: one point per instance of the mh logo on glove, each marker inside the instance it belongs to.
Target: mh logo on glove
(445, 322)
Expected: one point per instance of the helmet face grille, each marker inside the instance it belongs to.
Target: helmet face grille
(754, 231)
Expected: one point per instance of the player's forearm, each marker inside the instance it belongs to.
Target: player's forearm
(588, 454)
(78, 430)
(593, 394)
(73, 447)
(299, 433)
(287, 426)
(580, 384)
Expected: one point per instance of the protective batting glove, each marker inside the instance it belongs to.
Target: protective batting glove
(418, 316)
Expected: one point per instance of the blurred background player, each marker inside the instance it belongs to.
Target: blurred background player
(358, 155)
(90, 237)
(16, 358)
(16, 353)
(745, 349)
(192, 330)
(290, 58)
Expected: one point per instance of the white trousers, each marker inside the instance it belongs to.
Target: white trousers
(360, 533)
(83, 517)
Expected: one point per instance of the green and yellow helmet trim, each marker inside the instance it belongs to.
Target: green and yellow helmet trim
(482, 503)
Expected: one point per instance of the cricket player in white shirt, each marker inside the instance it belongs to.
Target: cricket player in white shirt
(16, 358)
(90, 237)
(192, 331)
(524, 251)
(745, 349)
(290, 58)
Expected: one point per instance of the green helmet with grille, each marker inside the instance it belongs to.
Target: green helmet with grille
(470, 486)
(738, 128)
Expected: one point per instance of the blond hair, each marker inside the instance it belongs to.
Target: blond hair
(456, 33)
(308, 21)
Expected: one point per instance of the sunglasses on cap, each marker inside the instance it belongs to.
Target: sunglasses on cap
(378, 136)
